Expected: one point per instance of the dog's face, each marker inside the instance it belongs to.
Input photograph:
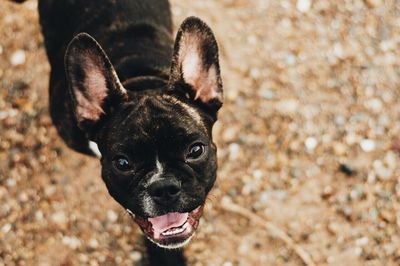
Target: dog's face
(158, 158)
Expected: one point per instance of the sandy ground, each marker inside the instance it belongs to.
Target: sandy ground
(309, 140)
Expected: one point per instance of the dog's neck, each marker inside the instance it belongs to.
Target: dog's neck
(141, 64)
(139, 73)
(135, 67)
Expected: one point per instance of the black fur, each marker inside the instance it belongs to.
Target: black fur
(136, 36)
(154, 116)
(162, 257)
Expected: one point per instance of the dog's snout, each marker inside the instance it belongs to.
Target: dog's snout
(165, 191)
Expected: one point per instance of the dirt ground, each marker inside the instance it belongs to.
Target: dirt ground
(309, 140)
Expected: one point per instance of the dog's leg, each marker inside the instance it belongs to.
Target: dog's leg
(164, 257)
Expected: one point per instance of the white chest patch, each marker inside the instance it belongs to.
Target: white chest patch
(94, 148)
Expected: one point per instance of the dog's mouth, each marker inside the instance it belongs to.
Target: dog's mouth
(171, 230)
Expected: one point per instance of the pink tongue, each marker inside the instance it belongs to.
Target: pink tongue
(167, 221)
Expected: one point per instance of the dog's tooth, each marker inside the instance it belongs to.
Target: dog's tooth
(175, 231)
(186, 225)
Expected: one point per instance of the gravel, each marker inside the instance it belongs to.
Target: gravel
(309, 139)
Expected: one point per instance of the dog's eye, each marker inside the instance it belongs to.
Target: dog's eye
(122, 163)
(195, 151)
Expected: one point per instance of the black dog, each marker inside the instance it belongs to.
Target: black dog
(148, 105)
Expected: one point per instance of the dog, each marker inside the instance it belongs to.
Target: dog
(122, 89)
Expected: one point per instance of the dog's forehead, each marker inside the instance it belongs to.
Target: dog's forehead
(160, 117)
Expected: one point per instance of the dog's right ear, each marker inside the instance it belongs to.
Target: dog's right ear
(94, 85)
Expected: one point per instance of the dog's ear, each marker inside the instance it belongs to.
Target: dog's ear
(94, 85)
(195, 64)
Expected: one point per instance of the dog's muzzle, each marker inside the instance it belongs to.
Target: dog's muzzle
(171, 230)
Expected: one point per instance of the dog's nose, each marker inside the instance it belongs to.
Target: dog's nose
(165, 191)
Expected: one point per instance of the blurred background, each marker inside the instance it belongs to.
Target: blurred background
(309, 140)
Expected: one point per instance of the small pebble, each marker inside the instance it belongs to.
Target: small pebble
(23, 197)
(135, 256)
(339, 120)
(382, 172)
(72, 242)
(83, 258)
(93, 243)
(229, 134)
(373, 3)
(264, 197)
(362, 241)
(357, 193)
(367, 145)
(311, 143)
(39, 215)
(11, 182)
(234, 151)
(112, 216)
(346, 169)
(290, 59)
(303, 5)
(358, 251)
(59, 218)
(327, 192)
(339, 148)
(258, 174)
(351, 138)
(288, 107)
(18, 58)
(266, 93)
(6, 228)
(374, 105)
(391, 160)
(330, 259)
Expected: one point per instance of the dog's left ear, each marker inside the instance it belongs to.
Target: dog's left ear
(195, 63)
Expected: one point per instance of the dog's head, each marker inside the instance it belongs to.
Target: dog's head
(158, 158)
